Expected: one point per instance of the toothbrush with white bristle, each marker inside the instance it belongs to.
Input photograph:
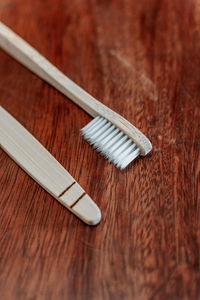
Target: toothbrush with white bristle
(109, 133)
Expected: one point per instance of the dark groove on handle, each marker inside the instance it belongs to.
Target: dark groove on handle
(78, 200)
(69, 187)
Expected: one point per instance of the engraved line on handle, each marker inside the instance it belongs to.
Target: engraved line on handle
(69, 187)
(78, 200)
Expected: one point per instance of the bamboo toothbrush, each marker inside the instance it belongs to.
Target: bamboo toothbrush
(45, 169)
(109, 133)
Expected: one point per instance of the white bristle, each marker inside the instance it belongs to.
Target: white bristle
(110, 141)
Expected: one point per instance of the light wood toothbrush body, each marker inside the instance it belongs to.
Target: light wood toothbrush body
(45, 169)
(111, 134)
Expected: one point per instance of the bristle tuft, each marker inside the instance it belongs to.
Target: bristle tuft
(111, 142)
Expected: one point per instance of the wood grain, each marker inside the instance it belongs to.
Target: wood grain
(142, 59)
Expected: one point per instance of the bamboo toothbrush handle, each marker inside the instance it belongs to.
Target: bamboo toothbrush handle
(45, 169)
(38, 64)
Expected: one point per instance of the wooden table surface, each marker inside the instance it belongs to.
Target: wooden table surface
(142, 59)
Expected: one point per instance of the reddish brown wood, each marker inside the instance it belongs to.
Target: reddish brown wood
(141, 58)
